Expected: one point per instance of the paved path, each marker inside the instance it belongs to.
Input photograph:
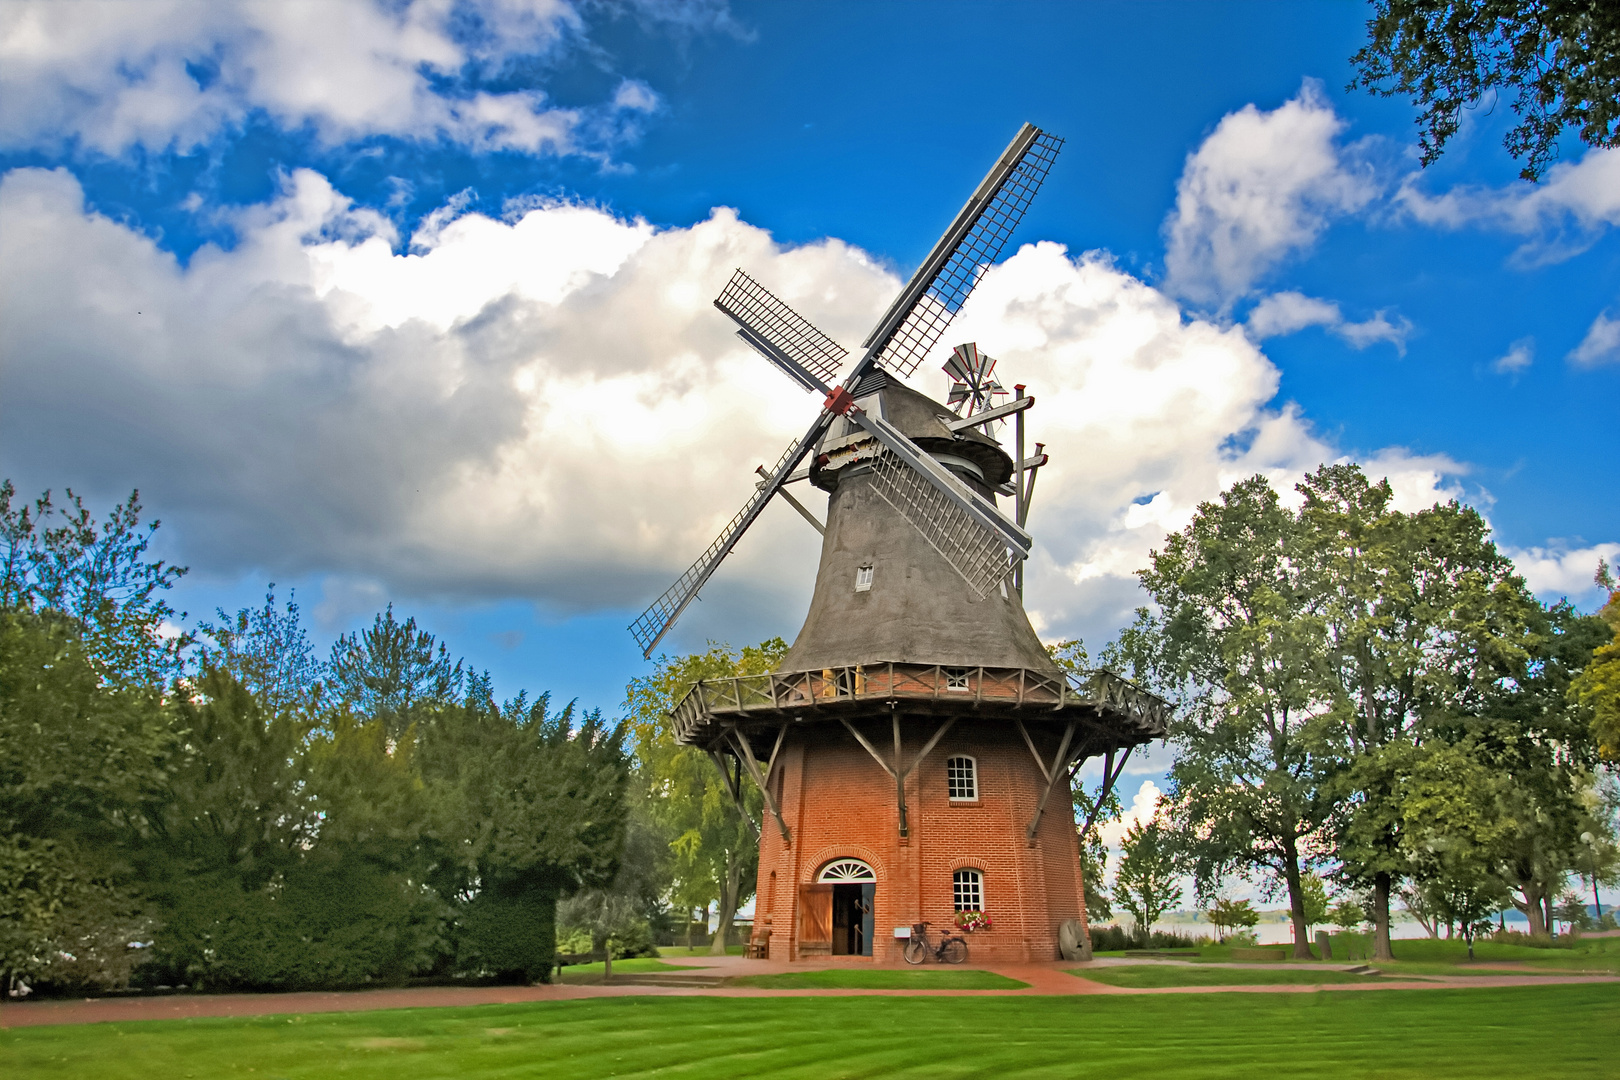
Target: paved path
(1043, 979)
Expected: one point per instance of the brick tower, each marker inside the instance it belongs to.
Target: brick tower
(916, 744)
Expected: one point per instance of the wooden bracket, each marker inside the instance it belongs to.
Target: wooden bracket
(1110, 775)
(762, 779)
(1057, 770)
(894, 770)
(734, 789)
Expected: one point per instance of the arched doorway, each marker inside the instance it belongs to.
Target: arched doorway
(853, 888)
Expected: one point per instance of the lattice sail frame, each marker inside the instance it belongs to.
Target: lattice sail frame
(972, 255)
(759, 309)
(972, 550)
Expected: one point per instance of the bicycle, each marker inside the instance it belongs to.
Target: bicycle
(952, 948)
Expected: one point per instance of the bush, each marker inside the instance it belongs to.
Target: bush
(1116, 939)
(1534, 941)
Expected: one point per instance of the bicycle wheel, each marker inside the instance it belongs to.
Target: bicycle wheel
(915, 950)
(954, 951)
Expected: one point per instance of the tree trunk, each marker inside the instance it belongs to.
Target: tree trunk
(1296, 902)
(1381, 949)
(1532, 908)
(1547, 902)
(729, 889)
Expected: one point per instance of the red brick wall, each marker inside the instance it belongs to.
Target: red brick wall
(838, 803)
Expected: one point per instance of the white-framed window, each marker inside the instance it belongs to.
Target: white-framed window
(967, 889)
(840, 871)
(961, 778)
(956, 680)
(863, 578)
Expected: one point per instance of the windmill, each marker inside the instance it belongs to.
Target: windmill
(916, 639)
(979, 542)
(973, 387)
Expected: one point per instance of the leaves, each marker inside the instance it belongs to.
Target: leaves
(1556, 60)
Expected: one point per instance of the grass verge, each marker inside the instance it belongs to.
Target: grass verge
(625, 967)
(881, 980)
(1564, 1031)
(1147, 976)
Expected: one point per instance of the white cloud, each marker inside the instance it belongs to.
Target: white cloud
(1560, 570)
(1262, 186)
(1563, 215)
(1143, 806)
(1290, 312)
(1601, 345)
(1520, 355)
(549, 407)
(175, 73)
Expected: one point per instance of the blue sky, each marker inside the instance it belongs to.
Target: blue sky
(409, 302)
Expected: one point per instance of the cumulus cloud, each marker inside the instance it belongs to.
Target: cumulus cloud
(1561, 570)
(1290, 312)
(1262, 186)
(1520, 355)
(548, 407)
(1601, 345)
(173, 74)
(1562, 216)
(1143, 806)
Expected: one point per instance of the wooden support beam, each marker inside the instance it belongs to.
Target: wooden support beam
(734, 789)
(988, 415)
(760, 780)
(1052, 776)
(1110, 775)
(803, 510)
(899, 777)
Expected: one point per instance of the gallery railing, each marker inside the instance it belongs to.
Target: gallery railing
(738, 696)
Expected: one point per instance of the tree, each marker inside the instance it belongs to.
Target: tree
(268, 651)
(1347, 914)
(1070, 655)
(714, 842)
(99, 576)
(389, 670)
(1453, 822)
(81, 760)
(1597, 687)
(1558, 59)
(1597, 855)
(1226, 915)
(527, 805)
(1240, 637)
(1425, 619)
(1145, 883)
(1316, 901)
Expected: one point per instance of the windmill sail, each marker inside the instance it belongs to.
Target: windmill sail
(766, 320)
(922, 311)
(977, 540)
(661, 614)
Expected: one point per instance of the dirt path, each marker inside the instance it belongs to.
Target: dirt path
(1043, 979)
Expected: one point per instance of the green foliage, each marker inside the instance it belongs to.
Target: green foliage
(1145, 884)
(392, 669)
(1348, 914)
(59, 559)
(1242, 643)
(1555, 59)
(715, 846)
(1597, 688)
(1227, 915)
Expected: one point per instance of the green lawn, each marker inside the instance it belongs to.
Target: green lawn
(1150, 975)
(625, 967)
(882, 980)
(1562, 1031)
(702, 950)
